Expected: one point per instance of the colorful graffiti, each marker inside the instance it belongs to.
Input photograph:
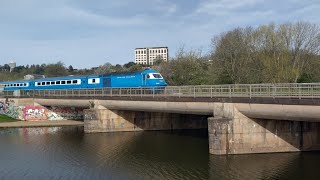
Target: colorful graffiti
(9, 108)
(65, 112)
(39, 113)
(2, 107)
(34, 113)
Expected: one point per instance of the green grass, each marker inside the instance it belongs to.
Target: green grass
(4, 118)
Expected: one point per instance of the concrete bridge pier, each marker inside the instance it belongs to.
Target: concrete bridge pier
(231, 132)
(101, 119)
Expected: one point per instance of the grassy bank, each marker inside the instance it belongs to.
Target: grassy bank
(4, 118)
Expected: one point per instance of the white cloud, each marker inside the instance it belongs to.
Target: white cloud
(224, 7)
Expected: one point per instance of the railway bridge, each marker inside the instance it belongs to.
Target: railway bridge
(241, 118)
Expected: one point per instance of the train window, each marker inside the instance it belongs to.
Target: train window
(68, 82)
(48, 83)
(93, 80)
(53, 83)
(21, 84)
(157, 76)
(25, 84)
(148, 76)
(43, 83)
(38, 83)
(63, 82)
(18, 85)
(57, 82)
(11, 84)
(74, 81)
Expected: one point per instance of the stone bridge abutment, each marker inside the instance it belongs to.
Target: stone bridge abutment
(232, 132)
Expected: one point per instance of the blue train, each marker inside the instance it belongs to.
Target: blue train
(145, 78)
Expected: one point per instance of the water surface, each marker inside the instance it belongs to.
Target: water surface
(66, 152)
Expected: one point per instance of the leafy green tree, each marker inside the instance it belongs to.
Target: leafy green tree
(104, 69)
(55, 70)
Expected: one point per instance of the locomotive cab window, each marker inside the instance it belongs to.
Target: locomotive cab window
(158, 76)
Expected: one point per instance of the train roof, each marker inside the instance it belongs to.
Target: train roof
(17, 81)
(60, 78)
(128, 73)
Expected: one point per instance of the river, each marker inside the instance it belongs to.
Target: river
(67, 152)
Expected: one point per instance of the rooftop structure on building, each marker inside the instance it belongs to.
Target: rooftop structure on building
(12, 65)
(149, 55)
(33, 76)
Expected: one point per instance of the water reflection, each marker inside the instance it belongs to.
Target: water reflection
(68, 152)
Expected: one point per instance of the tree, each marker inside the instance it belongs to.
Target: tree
(55, 70)
(268, 54)
(158, 60)
(70, 69)
(104, 69)
(129, 64)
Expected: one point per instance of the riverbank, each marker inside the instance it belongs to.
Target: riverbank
(4, 118)
(20, 124)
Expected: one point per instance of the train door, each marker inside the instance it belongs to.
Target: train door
(143, 79)
(106, 82)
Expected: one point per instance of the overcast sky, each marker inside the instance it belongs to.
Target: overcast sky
(87, 33)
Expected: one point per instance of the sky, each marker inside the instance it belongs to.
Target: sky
(89, 33)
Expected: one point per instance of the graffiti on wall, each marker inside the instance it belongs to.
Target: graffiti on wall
(66, 113)
(2, 107)
(9, 108)
(34, 113)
